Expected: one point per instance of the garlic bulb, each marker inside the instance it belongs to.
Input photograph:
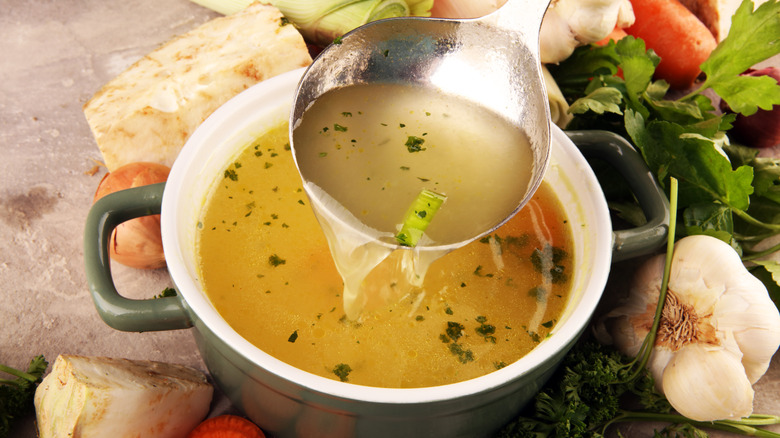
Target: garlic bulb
(572, 23)
(718, 332)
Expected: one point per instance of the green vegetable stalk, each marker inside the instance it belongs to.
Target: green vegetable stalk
(16, 395)
(418, 217)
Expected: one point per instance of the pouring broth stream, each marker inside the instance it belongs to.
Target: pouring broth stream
(368, 151)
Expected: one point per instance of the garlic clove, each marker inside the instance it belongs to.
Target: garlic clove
(758, 341)
(706, 383)
(557, 41)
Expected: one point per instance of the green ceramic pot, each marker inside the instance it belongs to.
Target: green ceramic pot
(288, 402)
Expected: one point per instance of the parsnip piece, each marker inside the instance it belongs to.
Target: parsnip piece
(149, 111)
(120, 398)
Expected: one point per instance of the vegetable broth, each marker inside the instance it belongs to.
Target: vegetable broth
(265, 265)
(368, 151)
(373, 148)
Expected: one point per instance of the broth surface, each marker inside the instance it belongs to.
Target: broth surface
(266, 266)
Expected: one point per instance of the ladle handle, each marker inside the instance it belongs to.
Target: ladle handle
(618, 152)
(118, 312)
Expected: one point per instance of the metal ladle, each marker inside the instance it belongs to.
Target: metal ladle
(492, 61)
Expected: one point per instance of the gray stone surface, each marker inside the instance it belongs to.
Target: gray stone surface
(53, 56)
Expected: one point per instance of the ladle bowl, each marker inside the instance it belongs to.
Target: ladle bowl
(492, 62)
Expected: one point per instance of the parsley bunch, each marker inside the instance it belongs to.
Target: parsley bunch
(16, 395)
(597, 386)
(726, 191)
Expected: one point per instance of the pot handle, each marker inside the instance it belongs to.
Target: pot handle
(118, 312)
(618, 152)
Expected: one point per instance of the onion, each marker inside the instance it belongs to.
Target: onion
(762, 129)
(138, 242)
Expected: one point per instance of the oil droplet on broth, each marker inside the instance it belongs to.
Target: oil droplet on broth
(367, 151)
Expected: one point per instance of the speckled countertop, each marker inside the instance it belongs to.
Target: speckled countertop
(53, 57)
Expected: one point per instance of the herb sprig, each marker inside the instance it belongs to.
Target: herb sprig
(726, 191)
(588, 394)
(16, 395)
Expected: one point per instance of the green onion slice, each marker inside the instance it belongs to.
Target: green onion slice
(418, 217)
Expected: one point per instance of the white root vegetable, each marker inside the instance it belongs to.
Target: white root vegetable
(120, 398)
(569, 24)
(719, 329)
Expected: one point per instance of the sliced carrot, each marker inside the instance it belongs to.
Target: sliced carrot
(226, 426)
(681, 40)
(616, 34)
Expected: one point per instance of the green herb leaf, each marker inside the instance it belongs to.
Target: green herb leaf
(342, 370)
(414, 144)
(753, 37)
(275, 260)
(16, 395)
(704, 173)
(600, 101)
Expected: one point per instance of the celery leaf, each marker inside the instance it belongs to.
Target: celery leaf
(704, 173)
(753, 37)
(600, 101)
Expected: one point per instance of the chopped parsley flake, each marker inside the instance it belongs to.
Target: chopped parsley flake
(550, 256)
(342, 370)
(478, 272)
(454, 330)
(293, 337)
(346, 114)
(486, 330)
(464, 356)
(275, 260)
(414, 144)
(231, 174)
(339, 128)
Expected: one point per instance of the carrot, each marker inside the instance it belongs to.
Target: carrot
(616, 34)
(226, 426)
(681, 40)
